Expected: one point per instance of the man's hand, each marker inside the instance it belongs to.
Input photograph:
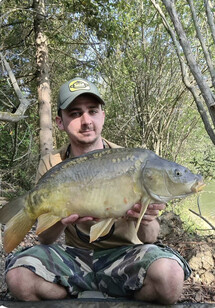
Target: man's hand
(149, 227)
(151, 213)
(75, 218)
(50, 235)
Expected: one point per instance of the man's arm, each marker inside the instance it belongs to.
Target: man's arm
(149, 233)
(149, 227)
(50, 235)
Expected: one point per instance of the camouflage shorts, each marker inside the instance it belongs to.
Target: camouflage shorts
(116, 272)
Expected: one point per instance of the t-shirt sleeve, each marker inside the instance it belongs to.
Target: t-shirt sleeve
(47, 162)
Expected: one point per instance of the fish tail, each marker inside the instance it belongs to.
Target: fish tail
(16, 229)
(11, 208)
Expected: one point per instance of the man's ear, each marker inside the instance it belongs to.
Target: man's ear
(59, 122)
(103, 116)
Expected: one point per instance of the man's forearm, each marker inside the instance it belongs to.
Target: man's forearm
(149, 233)
(50, 235)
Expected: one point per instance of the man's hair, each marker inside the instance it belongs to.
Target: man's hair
(59, 113)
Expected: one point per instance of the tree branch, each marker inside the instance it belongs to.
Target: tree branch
(11, 117)
(183, 66)
(24, 103)
(203, 218)
(200, 215)
(194, 68)
(202, 42)
(207, 4)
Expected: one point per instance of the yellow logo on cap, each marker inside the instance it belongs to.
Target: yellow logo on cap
(78, 85)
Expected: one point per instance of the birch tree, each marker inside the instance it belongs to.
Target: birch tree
(43, 79)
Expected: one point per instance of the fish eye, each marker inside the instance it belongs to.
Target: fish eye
(177, 172)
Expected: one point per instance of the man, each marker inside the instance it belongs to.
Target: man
(119, 264)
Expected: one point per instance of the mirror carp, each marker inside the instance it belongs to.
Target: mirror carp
(103, 184)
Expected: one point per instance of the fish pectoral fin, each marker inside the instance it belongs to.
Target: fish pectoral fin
(145, 202)
(101, 228)
(45, 221)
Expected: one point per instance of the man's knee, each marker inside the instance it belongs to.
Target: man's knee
(170, 281)
(20, 283)
(15, 276)
(163, 282)
(27, 286)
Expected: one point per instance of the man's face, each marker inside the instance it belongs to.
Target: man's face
(83, 120)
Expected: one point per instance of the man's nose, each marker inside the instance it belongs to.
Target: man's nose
(86, 118)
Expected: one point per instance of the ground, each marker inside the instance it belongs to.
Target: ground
(198, 251)
(200, 254)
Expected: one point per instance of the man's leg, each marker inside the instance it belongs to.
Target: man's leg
(27, 286)
(163, 282)
(49, 272)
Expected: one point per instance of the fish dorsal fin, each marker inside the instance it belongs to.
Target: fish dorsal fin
(145, 202)
(45, 221)
(101, 228)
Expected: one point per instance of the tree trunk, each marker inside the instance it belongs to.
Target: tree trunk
(43, 81)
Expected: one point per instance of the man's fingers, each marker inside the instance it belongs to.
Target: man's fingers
(133, 214)
(137, 207)
(157, 206)
(152, 212)
(83, 219)
(149, 217)
(75, 219)
(70, 219)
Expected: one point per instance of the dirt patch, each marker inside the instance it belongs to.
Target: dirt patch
(199, 252)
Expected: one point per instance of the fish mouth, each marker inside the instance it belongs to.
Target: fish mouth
(196, 188)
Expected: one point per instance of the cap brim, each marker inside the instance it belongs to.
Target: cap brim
(70, 100)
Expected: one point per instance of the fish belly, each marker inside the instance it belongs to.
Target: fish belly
(109, 198)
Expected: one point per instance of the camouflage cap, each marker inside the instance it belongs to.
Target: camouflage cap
(75, 87)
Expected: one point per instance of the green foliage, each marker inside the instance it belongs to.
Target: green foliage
(123, 48)
(19, 156)
(144, 92)
(199, 153)
(204, 163)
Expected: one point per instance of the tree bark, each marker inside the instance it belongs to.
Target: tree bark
(43, 79)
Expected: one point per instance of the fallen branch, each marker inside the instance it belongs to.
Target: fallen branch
(203, 218)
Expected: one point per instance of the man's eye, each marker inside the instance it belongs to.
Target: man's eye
(93, 111)
(75, 114)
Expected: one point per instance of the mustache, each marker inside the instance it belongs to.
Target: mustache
(86, 129)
